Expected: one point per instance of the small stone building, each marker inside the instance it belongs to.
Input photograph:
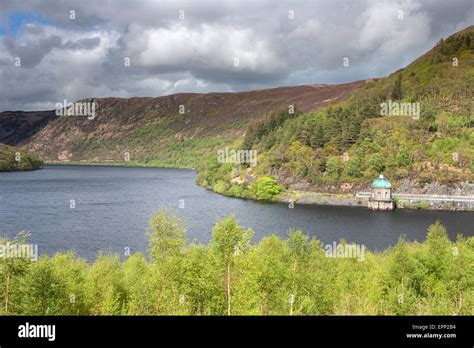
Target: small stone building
(381, 198)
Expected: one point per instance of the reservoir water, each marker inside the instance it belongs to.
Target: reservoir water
(113, 206)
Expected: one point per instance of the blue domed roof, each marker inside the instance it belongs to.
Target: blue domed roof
(381, 182)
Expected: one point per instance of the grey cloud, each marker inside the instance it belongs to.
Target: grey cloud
(84, 57)
(83, 44)
(32, 52)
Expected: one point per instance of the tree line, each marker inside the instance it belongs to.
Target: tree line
(232, 276)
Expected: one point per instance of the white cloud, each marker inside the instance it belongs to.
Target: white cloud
(207, 47)
(392, 27)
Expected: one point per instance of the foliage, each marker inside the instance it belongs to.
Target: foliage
(299, 157)
(257, 131)
(233, 276)
(404, 156)
(354, 166)
(167, 236)
(221, 187)
(376, 163)
(265, 188)
(437, 146)
(397, 88)
(12, 158)
(334, 167)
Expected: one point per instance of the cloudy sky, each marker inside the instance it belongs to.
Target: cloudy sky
(56, 50)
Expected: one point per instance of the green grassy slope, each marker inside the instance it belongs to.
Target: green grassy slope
(12, 158)
(343, 147)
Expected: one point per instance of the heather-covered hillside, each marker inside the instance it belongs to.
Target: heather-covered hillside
(177, 130)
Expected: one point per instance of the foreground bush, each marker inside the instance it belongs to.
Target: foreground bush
(233, 276)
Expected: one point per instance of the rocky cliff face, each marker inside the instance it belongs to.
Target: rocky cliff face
(435, 188)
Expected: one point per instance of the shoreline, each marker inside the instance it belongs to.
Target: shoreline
(298, 197)
(422, 202)
(131, 164)
(19, 170)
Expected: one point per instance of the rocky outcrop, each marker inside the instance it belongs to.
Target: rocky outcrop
(435, 188)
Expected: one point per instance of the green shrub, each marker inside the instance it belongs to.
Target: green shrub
(221, 187)
(265, 188)
(334, 167)
(354, 166)
(404, 156)
(236, 191)
(376, 163)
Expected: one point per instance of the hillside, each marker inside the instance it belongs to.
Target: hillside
(12, 159)
(17, 126)
(338, 139)
(427, 148)
(153, 131)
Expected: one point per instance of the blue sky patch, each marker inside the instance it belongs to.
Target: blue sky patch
(18, 19)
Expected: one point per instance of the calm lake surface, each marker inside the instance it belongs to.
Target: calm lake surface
(114, 204)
